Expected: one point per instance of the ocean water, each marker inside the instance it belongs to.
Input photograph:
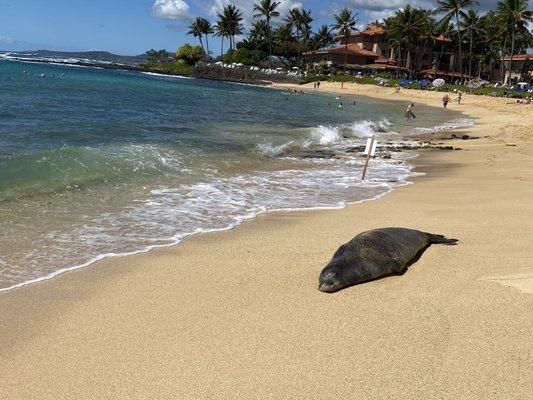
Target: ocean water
(96, 163)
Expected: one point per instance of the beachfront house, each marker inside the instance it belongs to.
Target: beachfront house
(520, 70)
(370, 50)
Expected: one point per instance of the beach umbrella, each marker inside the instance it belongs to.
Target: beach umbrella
(438, 82)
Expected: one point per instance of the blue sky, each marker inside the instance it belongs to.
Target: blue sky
(134, 26)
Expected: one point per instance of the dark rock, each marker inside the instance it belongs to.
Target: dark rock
(326, 154)
(386, 156)
(465, 137)
(355, 149)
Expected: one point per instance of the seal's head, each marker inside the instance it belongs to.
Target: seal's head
(330, 279)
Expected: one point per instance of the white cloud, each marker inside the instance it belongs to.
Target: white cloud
(170, 9)
(246, 7)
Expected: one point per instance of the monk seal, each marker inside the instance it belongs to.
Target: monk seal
(376, 253)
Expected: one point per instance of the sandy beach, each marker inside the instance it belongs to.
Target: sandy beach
(237, 314)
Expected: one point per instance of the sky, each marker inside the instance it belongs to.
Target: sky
(131, 27)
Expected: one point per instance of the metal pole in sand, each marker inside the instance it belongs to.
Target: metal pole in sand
(370, 150)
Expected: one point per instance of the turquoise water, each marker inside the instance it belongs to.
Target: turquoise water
(96, 162)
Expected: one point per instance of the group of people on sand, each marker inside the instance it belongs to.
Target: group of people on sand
(316, 85)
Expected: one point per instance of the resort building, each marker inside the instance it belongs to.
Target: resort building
(370, 49)
(520, 70)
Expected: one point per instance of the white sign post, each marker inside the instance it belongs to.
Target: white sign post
(370, 151)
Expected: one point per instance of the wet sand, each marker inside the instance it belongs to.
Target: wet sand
(237, 314)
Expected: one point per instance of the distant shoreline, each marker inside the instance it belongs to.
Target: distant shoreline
(199, 74)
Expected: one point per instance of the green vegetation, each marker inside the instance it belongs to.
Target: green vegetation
(190, 54)
(480, 40)
(175, 68)
(243, 56)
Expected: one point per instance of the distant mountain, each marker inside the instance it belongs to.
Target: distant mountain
(78, 56)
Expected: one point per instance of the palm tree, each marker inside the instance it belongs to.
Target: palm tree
(516, 14)
(221, 31)
(471, 27)
(323, 37)
(195, 29)
(206, 29)
(267, 9)
(406, 27)
(445, 29)
(230, 19)
(295, 20)
(345, 23)
(285, 44)
(428, 34)
(300, 20)
(455, 9)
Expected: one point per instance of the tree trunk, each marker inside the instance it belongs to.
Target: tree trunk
(201, 43)
(408, 62)
(502, 71)
(345, 54)
(207, 43)
(269, 43)
(460, 47)
(470, 61)
(512, 51)
(221, 47)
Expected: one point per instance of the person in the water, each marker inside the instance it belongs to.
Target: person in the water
(409, 111)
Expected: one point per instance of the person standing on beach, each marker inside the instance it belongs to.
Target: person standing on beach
(409, 111)
(445, 101)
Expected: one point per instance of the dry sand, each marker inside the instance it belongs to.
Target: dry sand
(236, 315)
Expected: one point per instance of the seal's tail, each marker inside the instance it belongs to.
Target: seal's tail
(441, 239)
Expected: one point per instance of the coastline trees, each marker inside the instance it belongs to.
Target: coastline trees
(515, 14)
(207, 29)
(323, 37)
(345, 23)
(195, 29)
(410, 32)
(229, 25)
(471, 27)
(406, 27)
(453, 9)
(267, 9)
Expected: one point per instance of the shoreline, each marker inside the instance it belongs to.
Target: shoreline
(237, 314)
(244, 218)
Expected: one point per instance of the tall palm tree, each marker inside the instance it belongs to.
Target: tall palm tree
(206, 29)
(221, 31)
(231, 18)
(323, 37)
(294, 20)
(300, 21)
(345, 23)
(515, 13)
(195, 29)
(470, 26)
(285, 44)
(455, 9)
(445, 29)
(407, 27)
(267, 9)
(494, 31)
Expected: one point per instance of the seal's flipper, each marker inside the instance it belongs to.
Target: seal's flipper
(441, 239)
